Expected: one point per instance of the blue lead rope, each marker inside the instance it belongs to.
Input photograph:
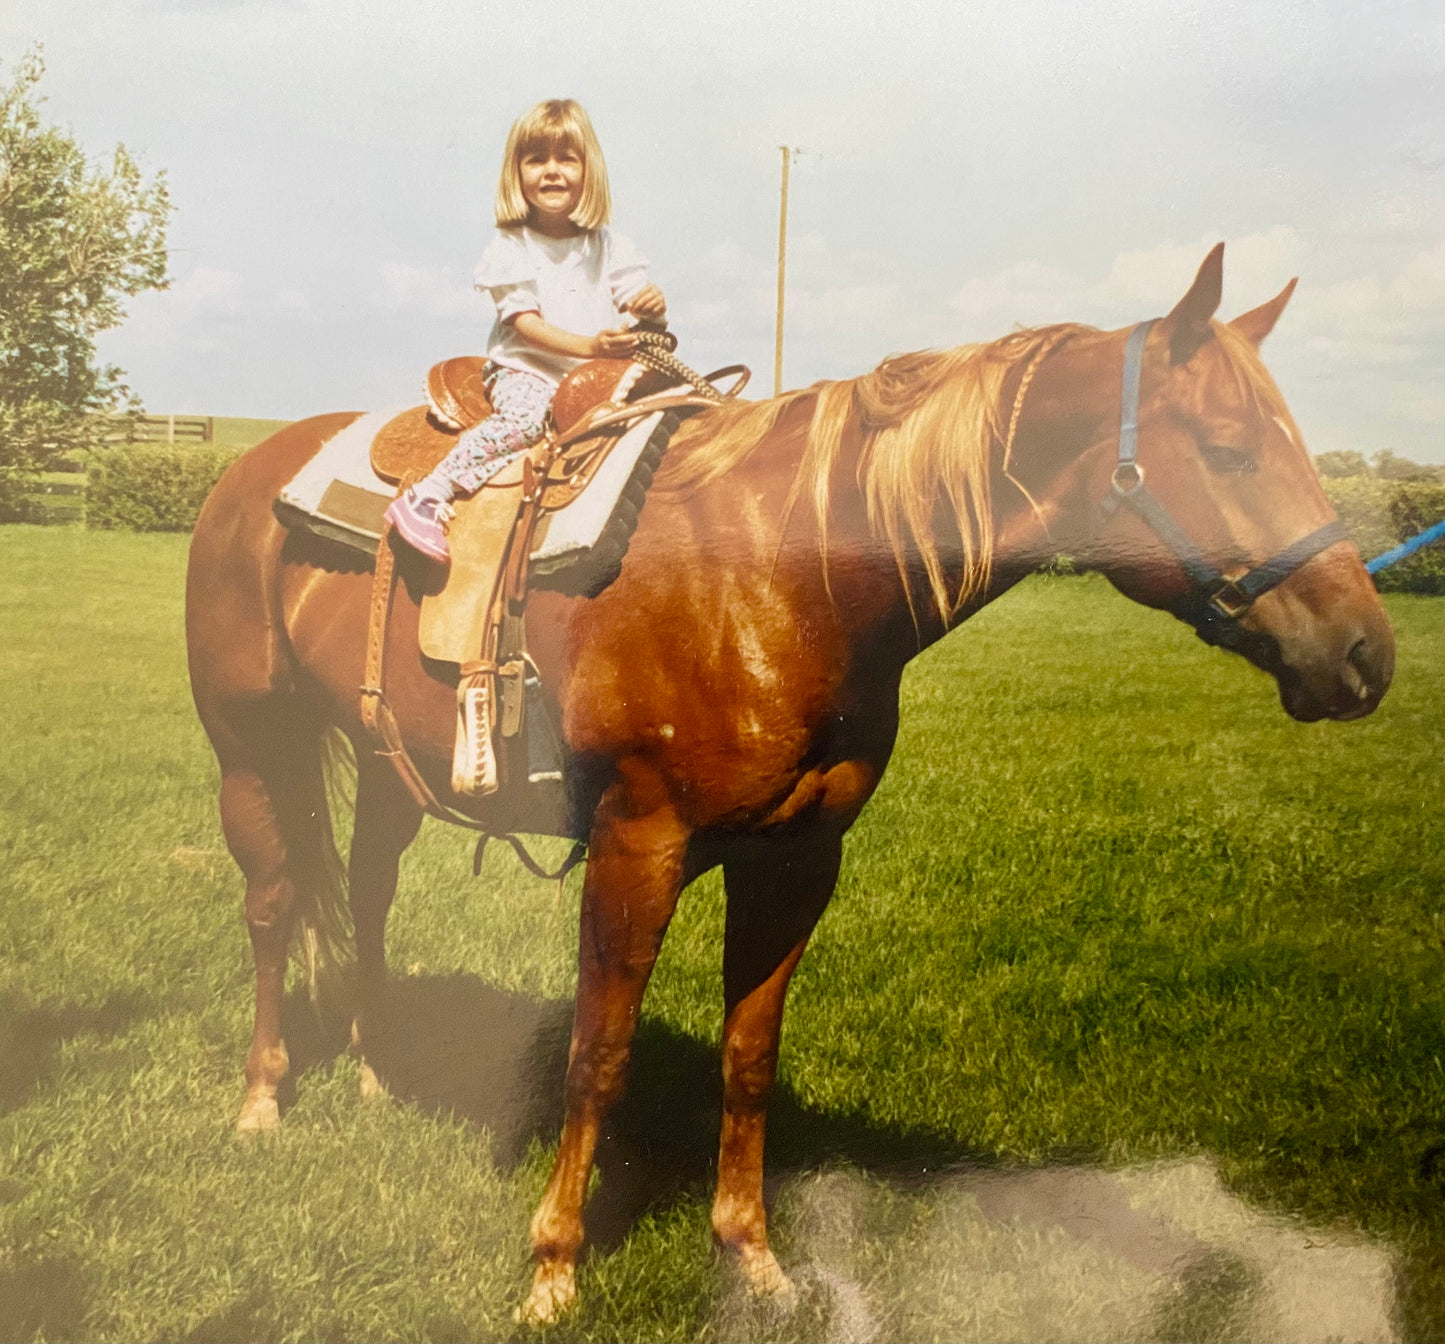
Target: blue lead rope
(1407, 548)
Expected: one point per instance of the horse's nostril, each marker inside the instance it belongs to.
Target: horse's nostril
(1359, 659)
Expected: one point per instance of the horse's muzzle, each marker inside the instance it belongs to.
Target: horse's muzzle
(1345, 678)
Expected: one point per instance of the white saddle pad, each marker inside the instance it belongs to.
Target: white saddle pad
(337, 495)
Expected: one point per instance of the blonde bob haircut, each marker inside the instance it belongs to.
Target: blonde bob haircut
(559, 123)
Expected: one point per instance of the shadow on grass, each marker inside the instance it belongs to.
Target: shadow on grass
(31, 1037)
(41, 1299)
(459, 1046)
(497, 1060)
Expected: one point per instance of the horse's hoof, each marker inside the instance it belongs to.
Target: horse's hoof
(259, 1115)
(372, 1088)
(554, 1290)
(767, 1282)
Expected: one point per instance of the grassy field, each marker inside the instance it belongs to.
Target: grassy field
(241, 432)
(1115, 934)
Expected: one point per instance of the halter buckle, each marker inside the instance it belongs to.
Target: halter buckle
(1230, 600)
(1131, 472)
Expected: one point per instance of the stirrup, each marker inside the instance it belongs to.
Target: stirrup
(474, 760)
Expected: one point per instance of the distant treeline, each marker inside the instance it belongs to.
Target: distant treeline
(1384, 466)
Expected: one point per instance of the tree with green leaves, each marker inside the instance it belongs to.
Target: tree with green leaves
(76, 239)
(1390, 466)
(1341, 463)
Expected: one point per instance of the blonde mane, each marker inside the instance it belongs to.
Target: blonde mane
(925, 426)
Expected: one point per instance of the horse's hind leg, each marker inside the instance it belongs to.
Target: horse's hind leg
(776, 891)
(277, 826)
(387, 820)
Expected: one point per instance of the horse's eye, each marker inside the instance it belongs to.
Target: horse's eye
(1228, 461)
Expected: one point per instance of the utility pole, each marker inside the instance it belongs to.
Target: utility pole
(782, 272)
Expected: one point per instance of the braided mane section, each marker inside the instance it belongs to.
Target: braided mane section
(923, 426)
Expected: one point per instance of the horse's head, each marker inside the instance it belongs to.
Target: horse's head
(1202, 501)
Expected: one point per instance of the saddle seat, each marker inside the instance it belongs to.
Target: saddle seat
(409, 446)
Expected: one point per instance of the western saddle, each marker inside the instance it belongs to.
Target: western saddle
(477, 618)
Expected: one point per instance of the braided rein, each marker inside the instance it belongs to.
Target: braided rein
(654, 350)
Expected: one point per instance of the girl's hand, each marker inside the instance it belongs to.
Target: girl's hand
(613, 343)
(647, 302)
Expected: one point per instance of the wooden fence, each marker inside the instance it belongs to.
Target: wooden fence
(173, 429)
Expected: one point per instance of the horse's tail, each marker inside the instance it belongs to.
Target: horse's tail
(322, 943)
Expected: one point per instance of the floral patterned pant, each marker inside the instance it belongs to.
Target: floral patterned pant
(519, 411)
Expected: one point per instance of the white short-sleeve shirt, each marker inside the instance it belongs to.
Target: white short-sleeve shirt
(575, 283)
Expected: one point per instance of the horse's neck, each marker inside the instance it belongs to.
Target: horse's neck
(885, 604)
(854, 569)
(1038, 506)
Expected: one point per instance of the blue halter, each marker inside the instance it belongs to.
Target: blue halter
(1215, 603)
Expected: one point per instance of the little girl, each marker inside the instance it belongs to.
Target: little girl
(561, 281)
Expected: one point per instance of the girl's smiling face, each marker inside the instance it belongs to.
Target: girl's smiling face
(552, 186)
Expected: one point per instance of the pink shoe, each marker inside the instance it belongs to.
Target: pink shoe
(422, 520)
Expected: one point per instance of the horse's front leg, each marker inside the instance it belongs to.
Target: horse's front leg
(776, 890)
(634, 874)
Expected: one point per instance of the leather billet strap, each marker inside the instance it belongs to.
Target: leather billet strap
(1216, 602)
(376, 716)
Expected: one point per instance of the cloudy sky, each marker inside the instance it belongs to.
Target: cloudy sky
(967, 167)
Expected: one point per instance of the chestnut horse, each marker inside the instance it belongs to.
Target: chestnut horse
(732, 697)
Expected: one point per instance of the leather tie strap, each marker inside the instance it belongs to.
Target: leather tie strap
(376, 715)
(575, 855)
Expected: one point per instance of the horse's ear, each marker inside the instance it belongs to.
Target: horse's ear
(1188, 324)
(1257, 323)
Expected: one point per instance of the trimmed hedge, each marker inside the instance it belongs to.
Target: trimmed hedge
(1381, 514)
(152, 487)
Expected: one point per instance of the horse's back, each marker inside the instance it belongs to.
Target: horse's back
(243, 496)
(233, 617)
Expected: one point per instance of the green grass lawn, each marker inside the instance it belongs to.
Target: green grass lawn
(244, 432)
(1110, 908)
